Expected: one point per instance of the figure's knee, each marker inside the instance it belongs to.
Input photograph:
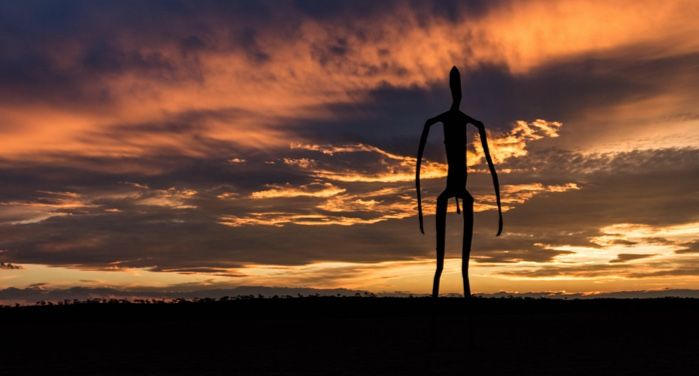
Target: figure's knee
(443, 198)
(440, 267)
(467, 198)
(441, 205)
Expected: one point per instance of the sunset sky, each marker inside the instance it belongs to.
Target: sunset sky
(200, 144)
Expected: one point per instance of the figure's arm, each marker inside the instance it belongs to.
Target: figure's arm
(496, 183)
(420, 150)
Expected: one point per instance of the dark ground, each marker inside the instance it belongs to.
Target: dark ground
(355, 336)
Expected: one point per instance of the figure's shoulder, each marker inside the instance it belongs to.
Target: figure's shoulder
(441, 118)
(468, 120)
(464, 117)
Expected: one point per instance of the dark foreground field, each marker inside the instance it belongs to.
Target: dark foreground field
(355, 336)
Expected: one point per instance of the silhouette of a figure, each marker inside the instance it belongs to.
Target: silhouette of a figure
(454, 123)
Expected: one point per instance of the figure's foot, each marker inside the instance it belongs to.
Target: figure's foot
(467, 287)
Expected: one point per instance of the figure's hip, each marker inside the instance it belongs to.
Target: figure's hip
(456, 182)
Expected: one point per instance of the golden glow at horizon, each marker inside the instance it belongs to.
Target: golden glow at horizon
(576, 271)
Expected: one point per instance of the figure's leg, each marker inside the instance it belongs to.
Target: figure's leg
(441, 220)
(468, 236)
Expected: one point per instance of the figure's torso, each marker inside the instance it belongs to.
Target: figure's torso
(454, 126)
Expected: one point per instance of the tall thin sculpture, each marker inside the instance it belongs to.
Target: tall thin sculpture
(454, 122)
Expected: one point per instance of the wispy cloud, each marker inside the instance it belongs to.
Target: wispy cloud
(317, 189)
(9, 266)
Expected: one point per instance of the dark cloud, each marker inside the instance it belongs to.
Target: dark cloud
(36, 33)
(247, 39)
(623, 242)
(686, 269)
(585, 271)
(132, 240)
(635, 182)
(451, 10)
(388, 117)
(624, 257)
(690, 247)
(564, 90)
(616, 268)
(135, 236)
(514, 256)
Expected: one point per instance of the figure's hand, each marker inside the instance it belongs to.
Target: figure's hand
(422, 230)
(496, 182)
(499, 223)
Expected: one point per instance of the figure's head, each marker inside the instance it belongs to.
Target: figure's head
(455, 86)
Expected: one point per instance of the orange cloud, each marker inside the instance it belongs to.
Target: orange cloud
(517, 194)
(346, 209)
(54, 204)
(338, 207)
(527, 34)
(624, 251)
(514, 142)
(399, 168)
(309, 190)
(279, 219)
(51, 204)
(401, 49)
(170, 198)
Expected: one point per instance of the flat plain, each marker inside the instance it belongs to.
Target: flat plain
(354, 336)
